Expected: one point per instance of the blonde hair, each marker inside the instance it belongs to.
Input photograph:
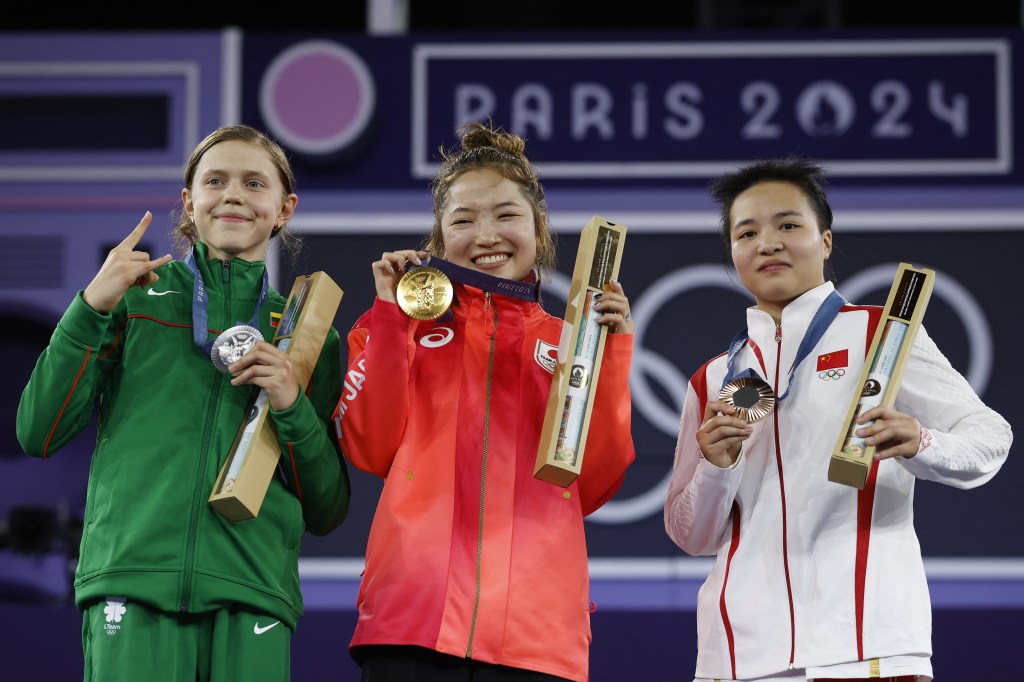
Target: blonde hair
(184, 233)
(485, 146)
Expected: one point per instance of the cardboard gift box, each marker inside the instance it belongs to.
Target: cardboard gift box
(249, 467)
(880, 379)
(570, 401)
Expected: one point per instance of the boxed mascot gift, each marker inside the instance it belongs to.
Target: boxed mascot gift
(245, 476)
(880, 379)
(570, 401)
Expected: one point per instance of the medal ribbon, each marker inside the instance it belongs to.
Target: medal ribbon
(200, 302)
(481, 280)
(826, 312)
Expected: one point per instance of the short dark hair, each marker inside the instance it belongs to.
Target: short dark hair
(804, 173)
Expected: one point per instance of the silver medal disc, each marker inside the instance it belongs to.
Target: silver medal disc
(232, 344)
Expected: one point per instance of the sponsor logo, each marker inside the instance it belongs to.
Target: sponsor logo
(438, 336)
(114, 611)
(151, 292)
(257, 630)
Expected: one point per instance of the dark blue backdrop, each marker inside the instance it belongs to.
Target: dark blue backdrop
(916, 127)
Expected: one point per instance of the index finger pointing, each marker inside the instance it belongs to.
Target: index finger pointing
(135, 236)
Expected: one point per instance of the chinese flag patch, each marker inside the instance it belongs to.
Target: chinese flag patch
(834, 360)
(275, 319)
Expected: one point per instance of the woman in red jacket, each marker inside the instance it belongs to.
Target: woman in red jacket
(474, 568)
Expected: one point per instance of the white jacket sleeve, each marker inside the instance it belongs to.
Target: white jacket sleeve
(970, 441)
(699, 506)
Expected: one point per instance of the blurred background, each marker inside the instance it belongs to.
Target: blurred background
(628, 112)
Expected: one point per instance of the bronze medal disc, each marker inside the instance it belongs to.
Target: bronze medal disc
(752, 398)
(424, 293)
(233, 344)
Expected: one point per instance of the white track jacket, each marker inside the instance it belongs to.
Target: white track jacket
(810, 573)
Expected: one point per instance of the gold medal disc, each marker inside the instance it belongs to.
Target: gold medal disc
(424, 293)
(752, 398)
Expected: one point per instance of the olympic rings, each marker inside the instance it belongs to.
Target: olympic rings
(652, 367)
(832, 374)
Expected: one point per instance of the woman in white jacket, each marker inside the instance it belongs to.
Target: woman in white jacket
(813, 580)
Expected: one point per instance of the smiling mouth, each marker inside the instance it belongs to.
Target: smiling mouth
(493, 259)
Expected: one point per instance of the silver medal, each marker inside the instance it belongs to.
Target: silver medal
(232, 344)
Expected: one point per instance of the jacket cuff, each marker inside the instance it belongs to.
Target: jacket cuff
(83, 325)
(297, 422)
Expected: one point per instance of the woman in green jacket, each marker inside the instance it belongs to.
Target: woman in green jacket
(168, 587)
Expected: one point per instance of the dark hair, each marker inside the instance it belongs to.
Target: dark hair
(184, 233)
(803, 173)
(485, 146)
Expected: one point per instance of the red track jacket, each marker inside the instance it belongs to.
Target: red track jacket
(469, 554)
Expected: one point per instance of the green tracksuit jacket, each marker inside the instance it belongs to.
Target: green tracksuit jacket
(167, 419)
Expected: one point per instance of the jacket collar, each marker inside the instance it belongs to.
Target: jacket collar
(471, 296)
(243, 272)
(796, 318)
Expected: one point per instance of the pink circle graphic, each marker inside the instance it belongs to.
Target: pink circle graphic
(317, 97)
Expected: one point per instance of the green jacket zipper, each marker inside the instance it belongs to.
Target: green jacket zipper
(200, 496)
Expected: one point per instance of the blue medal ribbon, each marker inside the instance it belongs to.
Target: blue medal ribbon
(200, 302)
(823, 317)
(528, 291)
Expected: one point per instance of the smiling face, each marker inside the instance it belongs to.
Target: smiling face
(236, 200)
(777, 246)
(488, 225)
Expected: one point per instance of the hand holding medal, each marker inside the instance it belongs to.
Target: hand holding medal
(232, 344)
(423, 292)
(426, 291)
(727, 421)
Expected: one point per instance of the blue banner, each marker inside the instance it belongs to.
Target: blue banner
(667, 110)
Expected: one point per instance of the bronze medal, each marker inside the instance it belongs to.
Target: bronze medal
(424, 293)
(752, 398)
(233, 344)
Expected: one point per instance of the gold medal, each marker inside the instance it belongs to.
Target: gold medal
(424, 293)
(752, 398)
